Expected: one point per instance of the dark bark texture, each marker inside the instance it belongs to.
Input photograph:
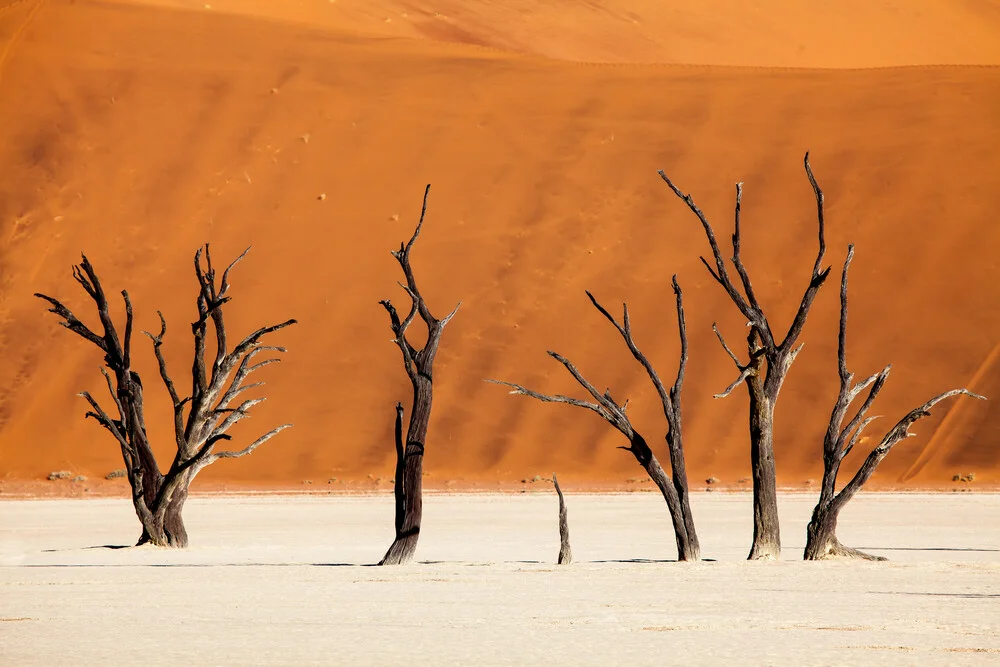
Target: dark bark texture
(769, 359)
(419, 365)
(397, 481)
(674, 490)
(565, 552)
(821, 534)
(201, 420)
(766, 542)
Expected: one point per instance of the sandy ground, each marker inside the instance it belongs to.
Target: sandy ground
(283, 580)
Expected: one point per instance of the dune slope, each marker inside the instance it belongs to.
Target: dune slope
(136, 133)
(765, 33)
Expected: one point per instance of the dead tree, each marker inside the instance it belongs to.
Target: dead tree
(200, 421)
(821, 537)
(674, 491)
(418, 363)
(565, 553)
(769, 360)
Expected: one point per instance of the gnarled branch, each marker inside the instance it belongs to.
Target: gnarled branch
(625, 329)
(895, 435)
(157, 497)
(840, 440)
(557, 398)
(419, 364)
(415, 360)
(763, 386)
(720, 274)
(249, 448)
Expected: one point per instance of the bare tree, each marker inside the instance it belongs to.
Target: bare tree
(821, 539)
(159, 497)
(419, 363)
(768, 362)
(674, 491)
(565, 552)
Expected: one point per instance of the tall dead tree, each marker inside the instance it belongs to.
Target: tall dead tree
(675, 490)
(419, 364)
(769, 360)
(201, 420)
(565, 552)
(821, 534)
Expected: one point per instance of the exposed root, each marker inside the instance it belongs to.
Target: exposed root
(834, 550)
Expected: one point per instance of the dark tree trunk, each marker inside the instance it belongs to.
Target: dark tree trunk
(404, 546)
(675, 434)
(766, 530)
(419, 366)
(173, 520)
(169, 530)
(821, 534)
(158, 499)
(397, 481)
(131, 397)
(565, 552)
(656, 473)
(675, 489)
(164, 525)
(692, 548)
(821, 537)
(764, 345)
(614, 414)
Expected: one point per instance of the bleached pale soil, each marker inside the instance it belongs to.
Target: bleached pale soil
(282, 580)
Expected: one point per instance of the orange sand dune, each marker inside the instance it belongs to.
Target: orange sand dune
(766, 33)
(136, 133)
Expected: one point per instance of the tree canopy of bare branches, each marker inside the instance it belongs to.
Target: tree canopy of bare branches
(201, 420)
(769, 358)
(821, 538)
(675, 489)
(419, 364)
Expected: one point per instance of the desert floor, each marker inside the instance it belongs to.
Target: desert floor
(286, 580)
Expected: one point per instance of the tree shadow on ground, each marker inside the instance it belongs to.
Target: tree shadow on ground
(97, 546)
(194, 565)
(645, 560)
(969, 596)
(970, 549)
(426, 562)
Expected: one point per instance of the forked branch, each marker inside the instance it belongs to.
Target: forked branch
(896, 434)
(720, 274)
(763, 385)
(249, 448)
(674, 490)
(605, 405)
(209, 416)
(418, 364)
(840, 440)
(413, 358)
(746, 300)
(667, 399)
(158, 498)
